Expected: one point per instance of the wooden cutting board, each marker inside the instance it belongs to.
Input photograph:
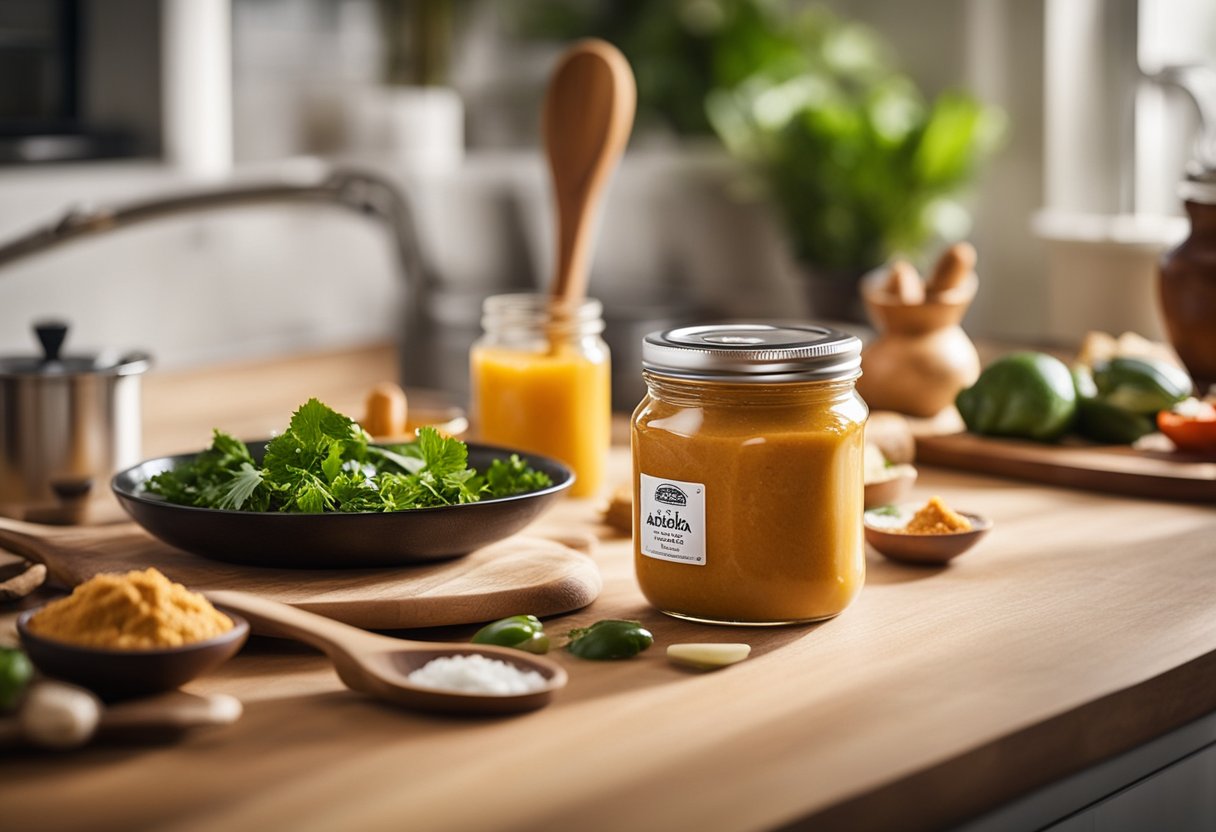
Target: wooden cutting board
(522, 574)
(1112, 469)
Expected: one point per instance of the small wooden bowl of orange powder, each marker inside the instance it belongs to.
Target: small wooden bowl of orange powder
(132, 634)
(934, 534)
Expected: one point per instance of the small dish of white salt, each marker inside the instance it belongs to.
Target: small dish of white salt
(475, 673)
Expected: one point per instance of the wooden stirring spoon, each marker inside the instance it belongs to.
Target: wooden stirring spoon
(588, 114)
(380, 666)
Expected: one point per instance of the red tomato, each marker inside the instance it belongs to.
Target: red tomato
(1194, 430)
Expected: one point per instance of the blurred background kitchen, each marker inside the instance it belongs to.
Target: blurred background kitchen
(782, 150)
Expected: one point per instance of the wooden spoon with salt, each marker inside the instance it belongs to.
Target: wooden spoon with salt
(380, 666)
(588, 115)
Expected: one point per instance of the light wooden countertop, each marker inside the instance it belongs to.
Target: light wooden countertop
(1080, 627)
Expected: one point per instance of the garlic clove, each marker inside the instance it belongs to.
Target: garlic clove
(707, 656)
(57, 715)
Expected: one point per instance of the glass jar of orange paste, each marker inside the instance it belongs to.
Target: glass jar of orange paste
(747, 473)
(541, 382)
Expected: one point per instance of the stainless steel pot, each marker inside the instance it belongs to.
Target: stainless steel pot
(67, 423)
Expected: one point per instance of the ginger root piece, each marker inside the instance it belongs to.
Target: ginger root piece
(1100, 347)
(904, 283)
(619, 512)
(952, 268)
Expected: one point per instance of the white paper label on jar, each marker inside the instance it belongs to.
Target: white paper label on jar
(672, 520)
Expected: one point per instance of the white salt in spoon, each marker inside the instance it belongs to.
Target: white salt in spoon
(380, 665)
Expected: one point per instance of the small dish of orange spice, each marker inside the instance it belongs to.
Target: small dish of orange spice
(931, 534)
(130, 634)
(935, 517)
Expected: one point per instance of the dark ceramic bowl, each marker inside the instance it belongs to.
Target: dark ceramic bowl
(337, 540)
(925, 549)
(121, 674)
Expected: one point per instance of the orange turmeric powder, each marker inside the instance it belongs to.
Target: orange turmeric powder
(136, 611)
(935, 517)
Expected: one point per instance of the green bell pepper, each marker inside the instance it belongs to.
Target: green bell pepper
(1023, 394)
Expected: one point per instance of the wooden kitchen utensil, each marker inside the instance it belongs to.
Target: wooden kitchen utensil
(588, 114)
(380, 666)
(532, 574)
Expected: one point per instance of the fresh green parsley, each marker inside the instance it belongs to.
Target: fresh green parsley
(325, 461)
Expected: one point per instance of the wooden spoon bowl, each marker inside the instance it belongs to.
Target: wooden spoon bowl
(121, 674)
(587, 118)
(380, 666)
(925, 549)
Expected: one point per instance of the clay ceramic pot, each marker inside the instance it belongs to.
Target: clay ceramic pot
(921, 358)
(1188, 294)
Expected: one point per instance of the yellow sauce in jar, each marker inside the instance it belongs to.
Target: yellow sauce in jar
(554, 404)
(543, 385)
(748, 491)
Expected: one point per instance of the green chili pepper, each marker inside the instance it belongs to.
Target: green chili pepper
(15, 674)
(609, 639)
(523, 632)
(1140, 385)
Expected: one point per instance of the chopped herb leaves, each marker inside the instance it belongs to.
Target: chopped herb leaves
(324, 462)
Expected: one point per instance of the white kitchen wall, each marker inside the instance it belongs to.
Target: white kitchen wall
(272, 280)
(220, 286)
(994, 48)
(243, 284)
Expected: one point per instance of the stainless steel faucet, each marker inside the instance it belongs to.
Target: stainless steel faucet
(1198, 81)
(364, 193)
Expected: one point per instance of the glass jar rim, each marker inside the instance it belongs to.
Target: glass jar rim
(535, 311)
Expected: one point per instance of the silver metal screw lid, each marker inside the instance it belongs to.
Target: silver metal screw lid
(753, 353)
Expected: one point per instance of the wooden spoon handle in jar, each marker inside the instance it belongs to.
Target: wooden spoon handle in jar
(588, 114)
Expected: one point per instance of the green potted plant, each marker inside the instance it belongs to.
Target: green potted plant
(858, 164)
(413, 117)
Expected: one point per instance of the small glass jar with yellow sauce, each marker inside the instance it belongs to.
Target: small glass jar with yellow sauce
(747, 468)
(541, 382)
